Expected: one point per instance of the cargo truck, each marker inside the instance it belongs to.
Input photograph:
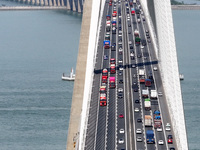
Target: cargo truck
(137, 41)
(133, 11)
(104, 75)
(150, 137)
(106, 44)
(148, 82)
(145, 93)
(157, 119)
(103, 101)
(112, 68)
(136, 33)
(147, 105)
(112, 82)
(148, 120)
(154, 94)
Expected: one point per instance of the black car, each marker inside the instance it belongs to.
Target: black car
(144, 42)
(132, 57)
(129, 25)
(139, 55)
(120, 73)
(137, 101)
(129, 32)
(120, 28)
(121, 81)
(113, 48)
(131, 47)
(135, 90)
(170, 137)
(139, 120)
(120, 95)
(172, 148)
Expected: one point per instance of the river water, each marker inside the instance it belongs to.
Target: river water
(36, 47)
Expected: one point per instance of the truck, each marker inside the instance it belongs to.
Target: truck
(147, 105)
(136, 33)
(114, 23)
(142, 80)
(107, 36)
(150, 137)
(133, 11)
(103, 101)
(141, 72)
(102, 89)
(154, 94)
(145, 93)
(112, 82)
(157, 119)
(148, 82)
(104, 75)
(112, 68)
(106, 44)
(137, 41)
(148, 121)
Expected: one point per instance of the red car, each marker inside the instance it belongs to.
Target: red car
(170, 141)
(121, 116)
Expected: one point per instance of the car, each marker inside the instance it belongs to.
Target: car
(160, 142)
(138, 20)
(159, 129)
(129, 25)
(145, 58)
(155, 68)
(144, 43)
(133, 66)
(135, 90)
(129, 42)
(134, 76)
(137, 109)
(121, 81)
(129, 32)
(149, 41)
(160, 94)
(105, 57)
(120, 90)
(120, 73)
(139, 139)
(120, 60)
(121, 130)
(121, 116)
(168, 129)
(171, 148)
(170, 141)
(120, 28)
(139, 120)
(142, 47)
(132, 57)
(120, 95)
(170, 136)
(121, 67)
(138, 131)
(121, 141)
(131, 47)
(147, 34)
(139, 55)
(137, 101)
(134, 83)
(132, 54)
(168, 125)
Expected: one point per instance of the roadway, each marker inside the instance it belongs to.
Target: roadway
(103, 121)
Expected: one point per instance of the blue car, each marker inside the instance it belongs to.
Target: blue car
(105, 57)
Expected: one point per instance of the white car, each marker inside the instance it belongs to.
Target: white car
(120, 61)
(121, 131)
(160, 142)
(155, 68)
(159, 93)
(121, 141)
(132, 54)
(139, 139)
(168, 125)
(142, 46)
(159, 129)
(137, 109)
(120, 90)
(168, 129)
(138, 131)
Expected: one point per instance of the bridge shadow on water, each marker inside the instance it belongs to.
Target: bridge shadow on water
(134, 65)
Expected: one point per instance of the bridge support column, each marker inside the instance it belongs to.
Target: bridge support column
(58, 2)
(50, 2)
(42, 2)
(79, 8)
(62, 3)
(68, 5)
(54, 3)
(74, 6)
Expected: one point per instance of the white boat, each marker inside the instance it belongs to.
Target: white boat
(71, 76)
(181, 77)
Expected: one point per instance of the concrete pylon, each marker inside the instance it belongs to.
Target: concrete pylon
(50, 2)
(74, 6)
(42, 2)
(68, 5)
(79, 7)
(29, 1)
(62, 3)
(46, 2)
(37, 2)
(79, 83)
(58, 2)
(54, 3)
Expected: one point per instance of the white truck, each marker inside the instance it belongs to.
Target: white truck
(147, 120)
(136, 33)
(147, 105)
(154, 94)
(145, 93)
(141, 72)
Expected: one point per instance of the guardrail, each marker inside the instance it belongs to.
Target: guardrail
(33, 7)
